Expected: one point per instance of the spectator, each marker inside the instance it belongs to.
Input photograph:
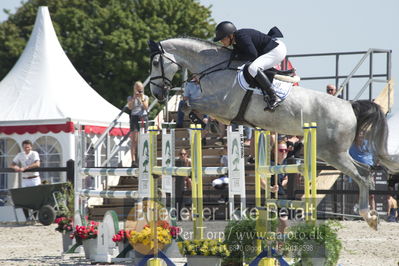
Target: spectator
(182, 184)
(392, 209)
(28, 159)
(331, 89)
(192, 91)
(138, 104)
(184, 161)
(281, 160)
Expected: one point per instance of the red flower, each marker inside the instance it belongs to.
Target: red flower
(174, 231)
(88, 231)
(120, 236)
(64, 224)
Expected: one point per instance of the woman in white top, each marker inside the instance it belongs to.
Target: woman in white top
(138, 104)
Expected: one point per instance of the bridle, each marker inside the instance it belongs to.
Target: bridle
(156, 49)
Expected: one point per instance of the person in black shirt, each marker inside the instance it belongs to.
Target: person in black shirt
(251, 45)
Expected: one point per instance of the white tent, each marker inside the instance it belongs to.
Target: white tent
(43, 98)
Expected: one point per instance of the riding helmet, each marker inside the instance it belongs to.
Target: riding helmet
(223, 29)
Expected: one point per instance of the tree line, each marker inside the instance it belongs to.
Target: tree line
(106, 40)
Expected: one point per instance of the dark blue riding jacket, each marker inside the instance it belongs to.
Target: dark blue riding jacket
(250, 43)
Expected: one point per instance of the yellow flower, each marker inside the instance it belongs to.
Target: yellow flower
(146, 238)
(204, 248)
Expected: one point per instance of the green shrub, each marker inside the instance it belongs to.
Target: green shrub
(305, 241)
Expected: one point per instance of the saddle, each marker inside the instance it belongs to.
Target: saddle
(282, 86)
(271, 73)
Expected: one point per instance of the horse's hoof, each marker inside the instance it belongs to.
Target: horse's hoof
(373, 221)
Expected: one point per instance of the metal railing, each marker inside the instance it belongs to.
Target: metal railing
(371, 76)
(105, 135)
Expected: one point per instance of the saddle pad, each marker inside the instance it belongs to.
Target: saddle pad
(282, 88)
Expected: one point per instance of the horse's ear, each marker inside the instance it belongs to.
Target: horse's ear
(154, 47)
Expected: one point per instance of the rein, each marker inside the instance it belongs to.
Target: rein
(205, 72)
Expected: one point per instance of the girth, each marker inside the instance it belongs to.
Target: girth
(239, 119)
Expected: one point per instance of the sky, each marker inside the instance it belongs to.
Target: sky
(316, 26)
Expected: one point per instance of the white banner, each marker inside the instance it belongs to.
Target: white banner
(168, 157)
(236, 164)
(144, 166)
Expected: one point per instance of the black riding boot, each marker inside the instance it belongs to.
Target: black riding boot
(268, 93)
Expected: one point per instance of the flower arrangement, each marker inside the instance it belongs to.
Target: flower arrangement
(208, 247)
(85, 231)
(165, 234)
(121, 236)
(64, 224)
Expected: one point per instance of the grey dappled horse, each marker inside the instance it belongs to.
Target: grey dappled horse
(339, 122)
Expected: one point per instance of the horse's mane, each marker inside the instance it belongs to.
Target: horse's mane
(211, 45)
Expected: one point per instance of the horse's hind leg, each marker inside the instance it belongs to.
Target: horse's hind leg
(361, 174)
(371, 217)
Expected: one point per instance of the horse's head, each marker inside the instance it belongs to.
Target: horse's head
(163, 68)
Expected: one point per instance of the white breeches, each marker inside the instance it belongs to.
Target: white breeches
(268, 60)
(31, 182)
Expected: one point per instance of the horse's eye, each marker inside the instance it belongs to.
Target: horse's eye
(155, 61)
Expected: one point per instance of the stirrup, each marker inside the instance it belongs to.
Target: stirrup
(272, 104)
(270, 107)
(268, 101)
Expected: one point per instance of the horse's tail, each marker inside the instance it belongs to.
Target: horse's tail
(372, 123)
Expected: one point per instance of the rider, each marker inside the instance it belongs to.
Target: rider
(251, 45)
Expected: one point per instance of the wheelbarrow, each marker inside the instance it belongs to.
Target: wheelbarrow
(41, 198)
